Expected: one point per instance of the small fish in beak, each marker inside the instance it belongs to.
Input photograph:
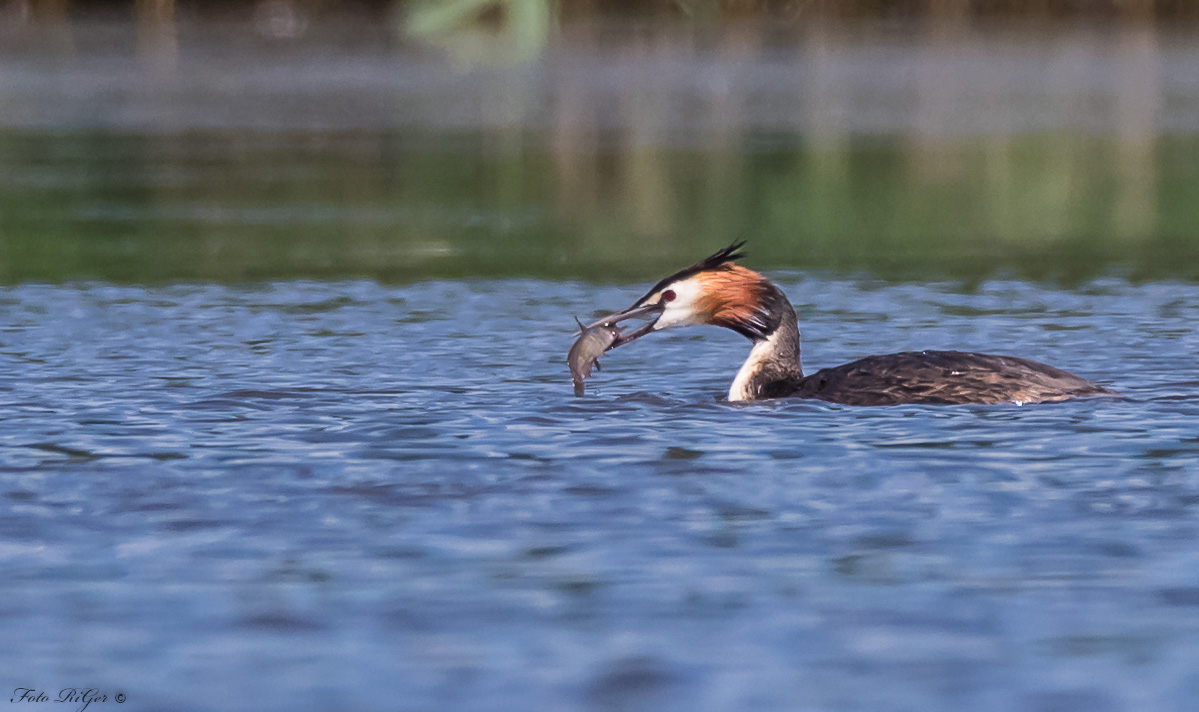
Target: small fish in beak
(593, 340)
(600, 336)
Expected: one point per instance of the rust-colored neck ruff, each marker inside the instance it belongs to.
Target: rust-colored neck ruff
(742, 300)
(749, 304)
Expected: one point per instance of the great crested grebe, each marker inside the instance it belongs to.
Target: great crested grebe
(717, 291)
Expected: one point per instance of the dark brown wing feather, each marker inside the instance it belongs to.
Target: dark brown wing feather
(944, 377)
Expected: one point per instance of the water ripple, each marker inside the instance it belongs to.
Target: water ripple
(400, 477)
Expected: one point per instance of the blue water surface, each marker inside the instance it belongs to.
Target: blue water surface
(329, 496)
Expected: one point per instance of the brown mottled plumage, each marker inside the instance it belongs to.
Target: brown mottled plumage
(940, 377)
(716, 291)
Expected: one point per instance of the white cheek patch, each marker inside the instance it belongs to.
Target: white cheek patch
(683, 310)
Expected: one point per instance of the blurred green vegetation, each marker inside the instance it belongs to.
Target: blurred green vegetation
(709, 8)
(233, 206)
(581, 172)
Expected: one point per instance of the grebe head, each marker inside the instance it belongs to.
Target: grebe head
(714, 291)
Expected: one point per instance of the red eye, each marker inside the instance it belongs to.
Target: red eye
(668, 295)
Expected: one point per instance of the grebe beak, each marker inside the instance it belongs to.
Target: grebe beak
(630, 313)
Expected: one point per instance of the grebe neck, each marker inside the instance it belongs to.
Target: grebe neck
(773, 367)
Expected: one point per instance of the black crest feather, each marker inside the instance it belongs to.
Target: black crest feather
(725, 256)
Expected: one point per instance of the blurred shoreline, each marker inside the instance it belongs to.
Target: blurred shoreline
(867, 78)
(497, 11)
(275, 145)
